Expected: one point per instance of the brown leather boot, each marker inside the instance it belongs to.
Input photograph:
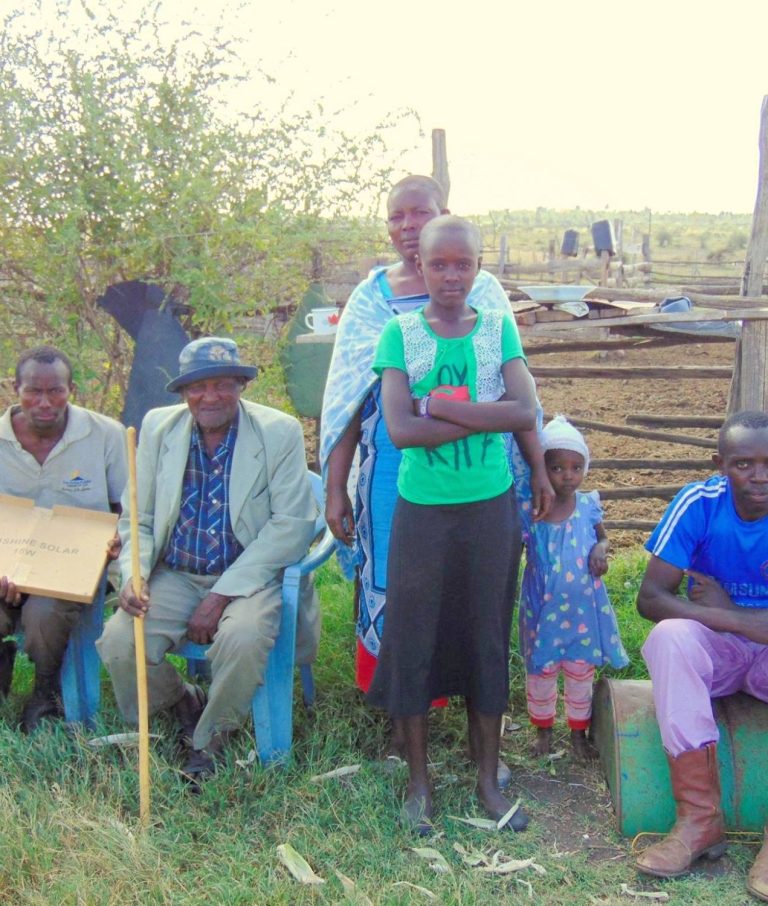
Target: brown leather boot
(7, 658)
(699, 829)
(757, 879)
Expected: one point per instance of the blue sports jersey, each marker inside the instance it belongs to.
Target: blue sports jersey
(701, 530)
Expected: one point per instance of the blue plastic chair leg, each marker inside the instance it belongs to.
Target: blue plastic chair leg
(81, 669)
(307, 685)
(273, 702)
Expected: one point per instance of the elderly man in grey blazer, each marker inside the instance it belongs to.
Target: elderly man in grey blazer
(224, 504)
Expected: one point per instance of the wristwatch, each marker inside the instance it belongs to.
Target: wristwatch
(424, 407)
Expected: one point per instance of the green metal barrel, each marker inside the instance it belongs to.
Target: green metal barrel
(627, 737)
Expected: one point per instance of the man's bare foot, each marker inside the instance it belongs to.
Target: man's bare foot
(583, 749)
(543, 743)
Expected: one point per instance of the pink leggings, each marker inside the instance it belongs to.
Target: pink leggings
(541, 691)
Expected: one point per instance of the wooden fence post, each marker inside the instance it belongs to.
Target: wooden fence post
(317, 264)
(646, 250)
(749, 389)
(618, 229)
(440, 161)
(503, 252)
(605, 266)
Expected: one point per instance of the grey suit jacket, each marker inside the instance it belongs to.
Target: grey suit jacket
(272, 509)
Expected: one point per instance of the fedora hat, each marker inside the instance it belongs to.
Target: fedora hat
(209, 357)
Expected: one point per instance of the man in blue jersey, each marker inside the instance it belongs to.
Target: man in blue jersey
(711, 642)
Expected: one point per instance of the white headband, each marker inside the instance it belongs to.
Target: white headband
(560, 434)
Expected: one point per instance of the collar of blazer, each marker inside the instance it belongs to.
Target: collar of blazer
(248, 473)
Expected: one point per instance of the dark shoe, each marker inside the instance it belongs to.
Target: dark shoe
(201, 763)
(699, 829)
(187, 711)
(7, 658)
(518, 822)
(199, 767)
(414, 817)
(45, 701)
(503, 775)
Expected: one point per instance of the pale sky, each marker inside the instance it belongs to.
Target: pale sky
(545, 102)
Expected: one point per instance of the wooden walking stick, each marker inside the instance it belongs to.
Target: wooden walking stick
(138, 635)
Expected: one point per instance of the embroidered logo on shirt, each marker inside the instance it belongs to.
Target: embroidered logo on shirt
(76, 482)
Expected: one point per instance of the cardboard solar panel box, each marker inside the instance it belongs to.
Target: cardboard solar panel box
(59, 552)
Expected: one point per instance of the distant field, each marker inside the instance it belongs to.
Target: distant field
(674, 236)
(684, 247)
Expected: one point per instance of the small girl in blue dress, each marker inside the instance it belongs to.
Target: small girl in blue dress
(566, 620)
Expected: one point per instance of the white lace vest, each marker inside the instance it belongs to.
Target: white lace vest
(420, 350)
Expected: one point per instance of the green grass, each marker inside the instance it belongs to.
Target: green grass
(70, 833)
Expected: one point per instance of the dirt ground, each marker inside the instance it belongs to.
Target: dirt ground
(611, 400)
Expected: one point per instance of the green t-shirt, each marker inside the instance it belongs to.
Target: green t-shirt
(475, 467)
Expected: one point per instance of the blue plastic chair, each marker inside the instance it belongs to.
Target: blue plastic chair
(80, 674)
(272, 705)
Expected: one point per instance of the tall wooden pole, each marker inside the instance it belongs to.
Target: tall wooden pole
(138, 636)
(750, 385)
(440, 161)
(503, 252)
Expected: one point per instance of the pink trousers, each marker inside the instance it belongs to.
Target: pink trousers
(690, 665)
(541, 691)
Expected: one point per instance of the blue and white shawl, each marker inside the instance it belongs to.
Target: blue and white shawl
(350, 377)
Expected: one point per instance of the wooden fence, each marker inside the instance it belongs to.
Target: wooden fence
(669, 473)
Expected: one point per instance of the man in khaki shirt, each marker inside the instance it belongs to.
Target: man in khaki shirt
(54, 453)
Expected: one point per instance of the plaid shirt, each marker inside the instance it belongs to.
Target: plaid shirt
(203, 542)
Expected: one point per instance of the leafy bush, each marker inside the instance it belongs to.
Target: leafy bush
(121, 158)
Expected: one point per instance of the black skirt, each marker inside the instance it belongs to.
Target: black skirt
(451, 579)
